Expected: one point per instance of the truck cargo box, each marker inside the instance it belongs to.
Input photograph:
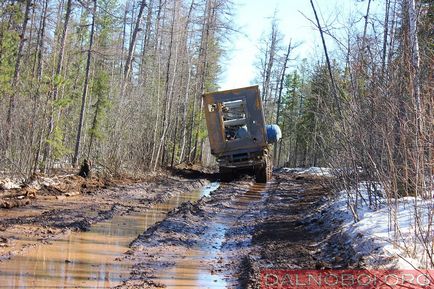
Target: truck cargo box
(235, 121)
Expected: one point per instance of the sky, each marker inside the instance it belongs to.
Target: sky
(253, 18)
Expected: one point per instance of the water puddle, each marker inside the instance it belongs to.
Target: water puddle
(191, 270)
(87, 259)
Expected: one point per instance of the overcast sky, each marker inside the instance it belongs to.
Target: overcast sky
(253, 19)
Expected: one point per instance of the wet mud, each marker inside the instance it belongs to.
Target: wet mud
(88, 259)
(51, 215)
(169, 234)
(224, 240)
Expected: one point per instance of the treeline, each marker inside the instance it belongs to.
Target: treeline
(365, 108)
(367, 105)
(118, 82)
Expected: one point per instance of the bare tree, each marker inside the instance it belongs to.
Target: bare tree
(17, 71)
(329, 67)
(85, 87)
(57, 76)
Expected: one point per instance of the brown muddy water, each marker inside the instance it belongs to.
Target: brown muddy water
(88, 259)
(191, 269)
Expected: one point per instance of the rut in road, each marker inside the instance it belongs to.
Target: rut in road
(223, 241)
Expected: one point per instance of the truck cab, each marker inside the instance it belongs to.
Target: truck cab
(237, 132)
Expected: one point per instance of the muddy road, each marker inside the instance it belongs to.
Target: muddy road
(52, 215)
(224, 240)
(176, 231)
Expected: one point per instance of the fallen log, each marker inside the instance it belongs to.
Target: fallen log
(12, 194)
(26, 192)
(52, 190)
(14, 203)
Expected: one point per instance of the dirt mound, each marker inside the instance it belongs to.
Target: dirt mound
(61, 186)
(189, 170)
(73, 184)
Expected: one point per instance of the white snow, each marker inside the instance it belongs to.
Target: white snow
(374, 237)
(316, 171)
(390, 235)
(8, 184)
(37, 183)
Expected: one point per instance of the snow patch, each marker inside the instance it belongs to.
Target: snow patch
(37, 183)
(8, 184)
(315, 171)
(384, 236)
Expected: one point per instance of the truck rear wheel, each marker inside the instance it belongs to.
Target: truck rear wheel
(264, 171)
(226, 174)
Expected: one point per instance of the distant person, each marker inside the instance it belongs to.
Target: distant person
(85, 169)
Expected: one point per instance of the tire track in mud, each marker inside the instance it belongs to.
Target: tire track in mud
(223, 241)
(88, 259)
(296, 232)
(185, 249)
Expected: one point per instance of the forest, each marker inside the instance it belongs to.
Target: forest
(120, 83)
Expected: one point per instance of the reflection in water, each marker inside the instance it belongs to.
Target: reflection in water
(190, 270)
(86, 259)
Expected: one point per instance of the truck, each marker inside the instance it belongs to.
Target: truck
(238, 136)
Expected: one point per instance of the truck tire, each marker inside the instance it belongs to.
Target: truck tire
(261, 175)
(263, 172)
(226, 174)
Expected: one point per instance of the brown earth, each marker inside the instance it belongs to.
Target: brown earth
(221, 241)
(36, 214)
(224, 240)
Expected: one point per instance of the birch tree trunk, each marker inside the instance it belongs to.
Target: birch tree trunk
(279, 100)
(85, 87)
(16, 76)
(127, 69)
(168, 94)
(58, 72)
(420, 187)
(37, 132)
